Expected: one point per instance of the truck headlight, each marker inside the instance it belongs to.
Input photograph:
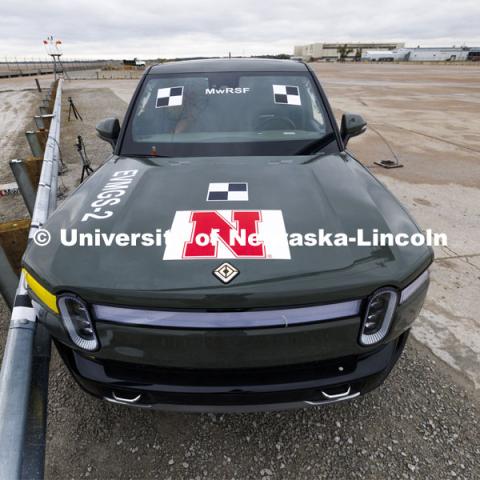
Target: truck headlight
(78, 322)
(413, 288)
(378, 316)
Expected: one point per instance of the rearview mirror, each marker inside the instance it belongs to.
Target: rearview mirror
(108, 130)
(352, 125)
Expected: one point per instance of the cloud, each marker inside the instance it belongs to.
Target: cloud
(152, 29)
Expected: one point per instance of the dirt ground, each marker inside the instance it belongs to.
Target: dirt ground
(423, 423)
(16, 115)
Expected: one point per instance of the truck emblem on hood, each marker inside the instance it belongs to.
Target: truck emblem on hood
(201, 234)
(226, 272)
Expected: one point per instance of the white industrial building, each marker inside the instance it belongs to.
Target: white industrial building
(423, 54)
(330, 51)
(436, 54)
(384, 52)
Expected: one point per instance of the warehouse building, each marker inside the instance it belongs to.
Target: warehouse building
(331, 51)
(433, 54)
(474, 54)
(424, 54)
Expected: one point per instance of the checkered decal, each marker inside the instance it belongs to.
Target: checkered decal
(169, 97)
(286, 94)
(230, 192)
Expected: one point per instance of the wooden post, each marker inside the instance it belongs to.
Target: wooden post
(34, 169)
(13, 241)
(42, 136)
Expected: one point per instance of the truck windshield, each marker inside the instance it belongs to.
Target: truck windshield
(233, 113)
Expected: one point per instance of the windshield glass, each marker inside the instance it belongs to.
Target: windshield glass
(212, 114)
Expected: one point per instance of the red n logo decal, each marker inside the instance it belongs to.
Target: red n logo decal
(234, 236)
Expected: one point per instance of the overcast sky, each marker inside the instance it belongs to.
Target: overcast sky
(153, 29)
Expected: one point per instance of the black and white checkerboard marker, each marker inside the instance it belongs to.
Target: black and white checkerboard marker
(230, 192)
(169, 97)
(286, 94)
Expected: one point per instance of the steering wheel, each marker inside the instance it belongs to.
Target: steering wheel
(274, 122)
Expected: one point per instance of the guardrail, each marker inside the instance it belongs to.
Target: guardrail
(24, 373)
(21, 68)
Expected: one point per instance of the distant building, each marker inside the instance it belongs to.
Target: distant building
(385, 52)
(474, 54)
(330, 51)
(433, 54)
(424, 54)
(379, 55)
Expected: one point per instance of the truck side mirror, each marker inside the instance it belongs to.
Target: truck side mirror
(108, 130)
(352, 125)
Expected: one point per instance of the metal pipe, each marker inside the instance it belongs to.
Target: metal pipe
(35, 439)
(20, 453)
(15, 379)
(20, 173)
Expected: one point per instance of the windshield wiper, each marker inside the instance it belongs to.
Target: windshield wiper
(316, 144)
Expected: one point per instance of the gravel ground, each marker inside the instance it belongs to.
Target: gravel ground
(421, 424)
(105, 103)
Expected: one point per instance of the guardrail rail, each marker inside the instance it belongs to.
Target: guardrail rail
(24, 373)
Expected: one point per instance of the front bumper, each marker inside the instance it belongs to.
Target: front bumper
(235, 369)
(255, 389)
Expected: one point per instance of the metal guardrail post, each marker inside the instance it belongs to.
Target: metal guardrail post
(20, 173)
(22, 402)
(8, 280)
(42, 122)
(38, 119)
(34, 143)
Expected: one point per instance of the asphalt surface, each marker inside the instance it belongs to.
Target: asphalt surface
(422, 423)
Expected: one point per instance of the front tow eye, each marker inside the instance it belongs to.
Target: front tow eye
(334, 396)
(120, 399)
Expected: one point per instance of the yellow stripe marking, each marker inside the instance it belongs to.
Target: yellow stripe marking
(49, 299)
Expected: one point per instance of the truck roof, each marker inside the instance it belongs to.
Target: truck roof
(229, 65)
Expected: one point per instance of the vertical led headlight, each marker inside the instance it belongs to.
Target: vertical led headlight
(78, 322)
(378, 316)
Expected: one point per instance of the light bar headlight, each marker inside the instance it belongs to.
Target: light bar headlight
(413, 288)
(78, 322)
(378, 316)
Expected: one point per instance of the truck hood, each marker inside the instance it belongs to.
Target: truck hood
(297, 195)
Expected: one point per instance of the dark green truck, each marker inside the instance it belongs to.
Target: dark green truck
(204, 301)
